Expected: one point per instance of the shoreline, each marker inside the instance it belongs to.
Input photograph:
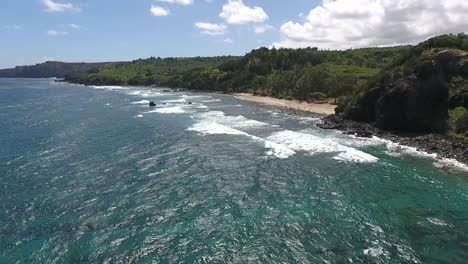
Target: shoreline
(436, 146)
(324, 109)
(439, 147)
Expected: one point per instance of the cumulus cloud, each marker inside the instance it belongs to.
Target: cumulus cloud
(159, 11)
(179, 2)
(54, 6)
(56, 33)
(237, 13)
(211, 28)
(341, 24)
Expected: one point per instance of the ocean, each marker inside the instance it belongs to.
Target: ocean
(94, 175)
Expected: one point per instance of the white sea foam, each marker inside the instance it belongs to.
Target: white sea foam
(238, 122)
(134, 93)
(396, 149)
(182, 100)
(211, 101)
(374, 252)
(168, 110)
(139, 116)
(213, 128)
(109, 87)
(142, 102)
(207, 127)
(436, 221)
(311, 144)
(278, 150)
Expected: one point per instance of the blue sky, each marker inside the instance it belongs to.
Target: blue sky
(33, 31)
(110, 30)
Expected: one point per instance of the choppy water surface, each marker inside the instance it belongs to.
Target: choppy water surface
(93, 175)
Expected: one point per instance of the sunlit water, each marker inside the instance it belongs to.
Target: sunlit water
(93, 175)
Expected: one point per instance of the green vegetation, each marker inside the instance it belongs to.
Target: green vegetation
(459, 120)
(282, 73)
(50, 69)
(416, 91)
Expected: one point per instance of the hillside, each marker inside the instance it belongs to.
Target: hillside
(425, 90)
(49, 69)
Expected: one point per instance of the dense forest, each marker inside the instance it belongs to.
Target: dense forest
(305, 74)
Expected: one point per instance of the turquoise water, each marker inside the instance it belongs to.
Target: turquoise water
(92, 175)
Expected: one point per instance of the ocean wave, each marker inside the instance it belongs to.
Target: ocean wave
(182, 100)
(145, 102)
(168, 110)
(311, 144)
(238, 122)
(212, 128)
(211, 101)
(396, 149)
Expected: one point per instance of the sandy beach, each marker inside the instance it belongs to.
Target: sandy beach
(323, 109)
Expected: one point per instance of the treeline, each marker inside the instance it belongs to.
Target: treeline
(304, 74)
(50, 69)
(146, 71)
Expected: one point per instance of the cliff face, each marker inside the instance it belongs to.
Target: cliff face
(415, 94)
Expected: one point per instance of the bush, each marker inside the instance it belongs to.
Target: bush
(461, 123)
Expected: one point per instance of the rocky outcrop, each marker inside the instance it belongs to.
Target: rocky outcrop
(414, 96)
(443, 145)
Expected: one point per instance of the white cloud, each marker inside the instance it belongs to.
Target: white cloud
(228, 40)
(235, 12)
(56, 33)
(341, 24)
(74, 26)
(159, 11)
(211, 28)
(53, 6)
(262, 29)
(178, 2)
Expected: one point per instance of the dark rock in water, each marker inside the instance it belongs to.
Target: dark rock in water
(189, 103)
(152, 104)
